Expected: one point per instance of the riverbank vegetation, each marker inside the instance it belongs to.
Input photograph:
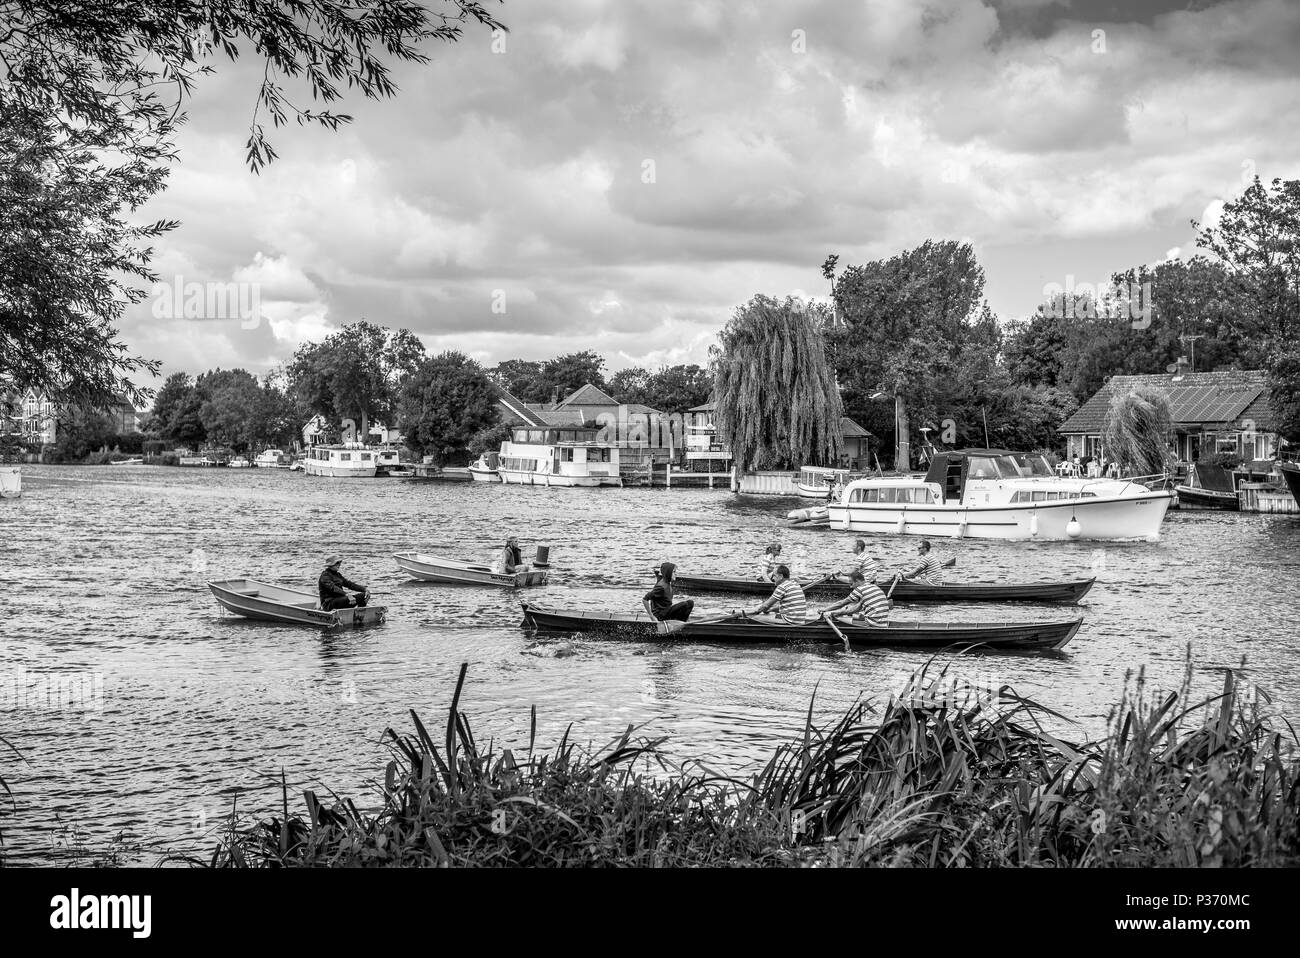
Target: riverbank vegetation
(940, 774)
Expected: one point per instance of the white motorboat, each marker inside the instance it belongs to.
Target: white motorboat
(239, 464)
(197, 461)
(559, 456)
(816, 482)
(11, 482)
(351, 460)
(273, 459)
(484, 468)
(998, 494)
(127, 462)
(430, 568)
(274, 603)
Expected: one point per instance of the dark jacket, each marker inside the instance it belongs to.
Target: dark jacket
(332, 585)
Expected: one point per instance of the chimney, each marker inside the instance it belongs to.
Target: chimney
(1181, 368)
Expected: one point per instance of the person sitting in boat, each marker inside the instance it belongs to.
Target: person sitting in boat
(659, 600)
(859, 562)
(333, 588)
(931, 568)
(769, 562)
(512, 560)
(865, 603)
(787, 600)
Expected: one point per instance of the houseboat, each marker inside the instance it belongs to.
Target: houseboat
(351, 460)
(999, 494)
(484, 468)
(273, 459)
(816, 482)
(558, 456)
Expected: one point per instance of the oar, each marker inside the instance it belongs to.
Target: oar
(814, 584)
(669, 626)
(898, 577)
(836, 629)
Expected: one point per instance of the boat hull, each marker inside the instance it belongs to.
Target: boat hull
(1068, 591)
(429, 568)
(253, 599)
(314, 467)
(1291, 474)
(1005, 636)
(1191, 498)
(484, 475)
(1108, 519)
(513, 477)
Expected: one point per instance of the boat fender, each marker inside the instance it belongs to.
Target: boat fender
(1033, 524)
(902, 523)
(795, 514)
(961, 529)
(1073, 529)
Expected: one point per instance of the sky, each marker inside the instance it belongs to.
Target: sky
(620, 175)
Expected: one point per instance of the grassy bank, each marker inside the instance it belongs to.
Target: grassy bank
(935, 776)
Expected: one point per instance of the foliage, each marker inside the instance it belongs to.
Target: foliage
(549, 380)
(355, 373)
(489, 438)
(78, 431)
(670, 389)
(778, 403)
(445, 404)
(1137, 430)
(942, 774)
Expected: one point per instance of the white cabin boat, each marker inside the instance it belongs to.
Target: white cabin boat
(431, 568)
(816, 482)
(273, 459)
(351, 460)
(558, 456)
(997, 494)
(484, 468)
(127, 462)
(197, 461)
(11, 482)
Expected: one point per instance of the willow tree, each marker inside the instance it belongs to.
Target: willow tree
(778, 405)
(1137, 429)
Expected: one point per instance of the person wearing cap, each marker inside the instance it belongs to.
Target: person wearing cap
(333, 588)
(659, 600)
(771, 558)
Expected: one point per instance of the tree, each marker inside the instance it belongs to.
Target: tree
(186, 423)
(356, 373)
(91, 95)
(521, 378)
(1137, 429)
(631, 385)
(778, 404)
(445, 404)
(675, 389)
(78, 431)
(564, 374)
(231, 401)
(168, 400)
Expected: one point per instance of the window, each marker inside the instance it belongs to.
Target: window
(365, 457)
(865, 495)
(566, 455)
(983, 467)
(345, 456)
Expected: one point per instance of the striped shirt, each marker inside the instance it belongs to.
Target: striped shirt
(868, 566)
(767, 566)
(791, 604)
(931, 569)
(872, 606)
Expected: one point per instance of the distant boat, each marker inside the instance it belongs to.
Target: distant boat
(127, 462)
(239, 464)
(197, 461)
(484, 468)
(273, 459)
(350, 460)
(816, 482)
(1208, 487)
(11, 482)
(1291, 473)
(274, 603)
(430, 568)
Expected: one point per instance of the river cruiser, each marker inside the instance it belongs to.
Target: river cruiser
(273, 459)
(347, 460)
(484, 468)
(558, 456)
(999, 494)
(817, 482)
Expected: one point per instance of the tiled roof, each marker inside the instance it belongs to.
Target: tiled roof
(850, 429)
(589, 395)
(636, 408)
(709, 406)
(1195, 399)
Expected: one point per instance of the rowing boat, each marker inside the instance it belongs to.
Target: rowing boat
(430, 568)
(742, 629)
(276, 603)
(1068, 590)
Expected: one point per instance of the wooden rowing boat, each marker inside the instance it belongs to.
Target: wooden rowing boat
(1068, 590)
(276, 603)
(430, 568)
(1023, 636)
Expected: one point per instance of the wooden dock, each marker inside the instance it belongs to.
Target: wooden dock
(1263, 497)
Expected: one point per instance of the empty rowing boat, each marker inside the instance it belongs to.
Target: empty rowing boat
(1022, 636)
(429, 568)
(1069, 590)
(276, 603)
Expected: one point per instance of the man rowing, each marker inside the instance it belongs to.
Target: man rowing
(787, 601)
(769, 562)
(333, 587)
(659, 600)
(930, 569)
(859, 562)
(865, 603)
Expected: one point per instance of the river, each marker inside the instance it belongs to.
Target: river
(180, 710)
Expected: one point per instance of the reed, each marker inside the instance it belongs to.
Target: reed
(937, 775)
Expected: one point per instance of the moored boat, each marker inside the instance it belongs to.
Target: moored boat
(1068, 590)
(484, 468)
(431, 568)
(276, 603)
(1208, 487)
(11, 481)
(348, 460)
(127, 462)
(741, 629)
(1291, 474)
(273, 459)
(816, 482)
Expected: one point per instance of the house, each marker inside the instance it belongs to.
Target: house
(704, 452)
(317, 431)
(857, 445)
(1224, 412)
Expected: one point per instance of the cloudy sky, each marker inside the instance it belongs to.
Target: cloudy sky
(620, 174)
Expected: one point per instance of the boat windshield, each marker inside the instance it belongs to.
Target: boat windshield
(1033, 466)
(983, 467)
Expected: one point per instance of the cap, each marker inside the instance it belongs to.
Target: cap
(331, 561)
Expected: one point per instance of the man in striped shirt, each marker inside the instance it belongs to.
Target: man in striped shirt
(769, 562)
(931, 568)
(865, 602)
(860, 562)
(787, 600)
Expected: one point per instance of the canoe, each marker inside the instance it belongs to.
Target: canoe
(276, 603)
(1023, 636)
(1193, 497)
(1067, 590)
(430, 568)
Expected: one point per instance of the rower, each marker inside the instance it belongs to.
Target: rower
(787, 599)
(659, 600)
(512, 560)
(859, 562)
(931, 568)
(333, 587)
(865, 603)
(769, 562)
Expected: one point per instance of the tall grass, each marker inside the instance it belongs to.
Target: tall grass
(927, 778)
